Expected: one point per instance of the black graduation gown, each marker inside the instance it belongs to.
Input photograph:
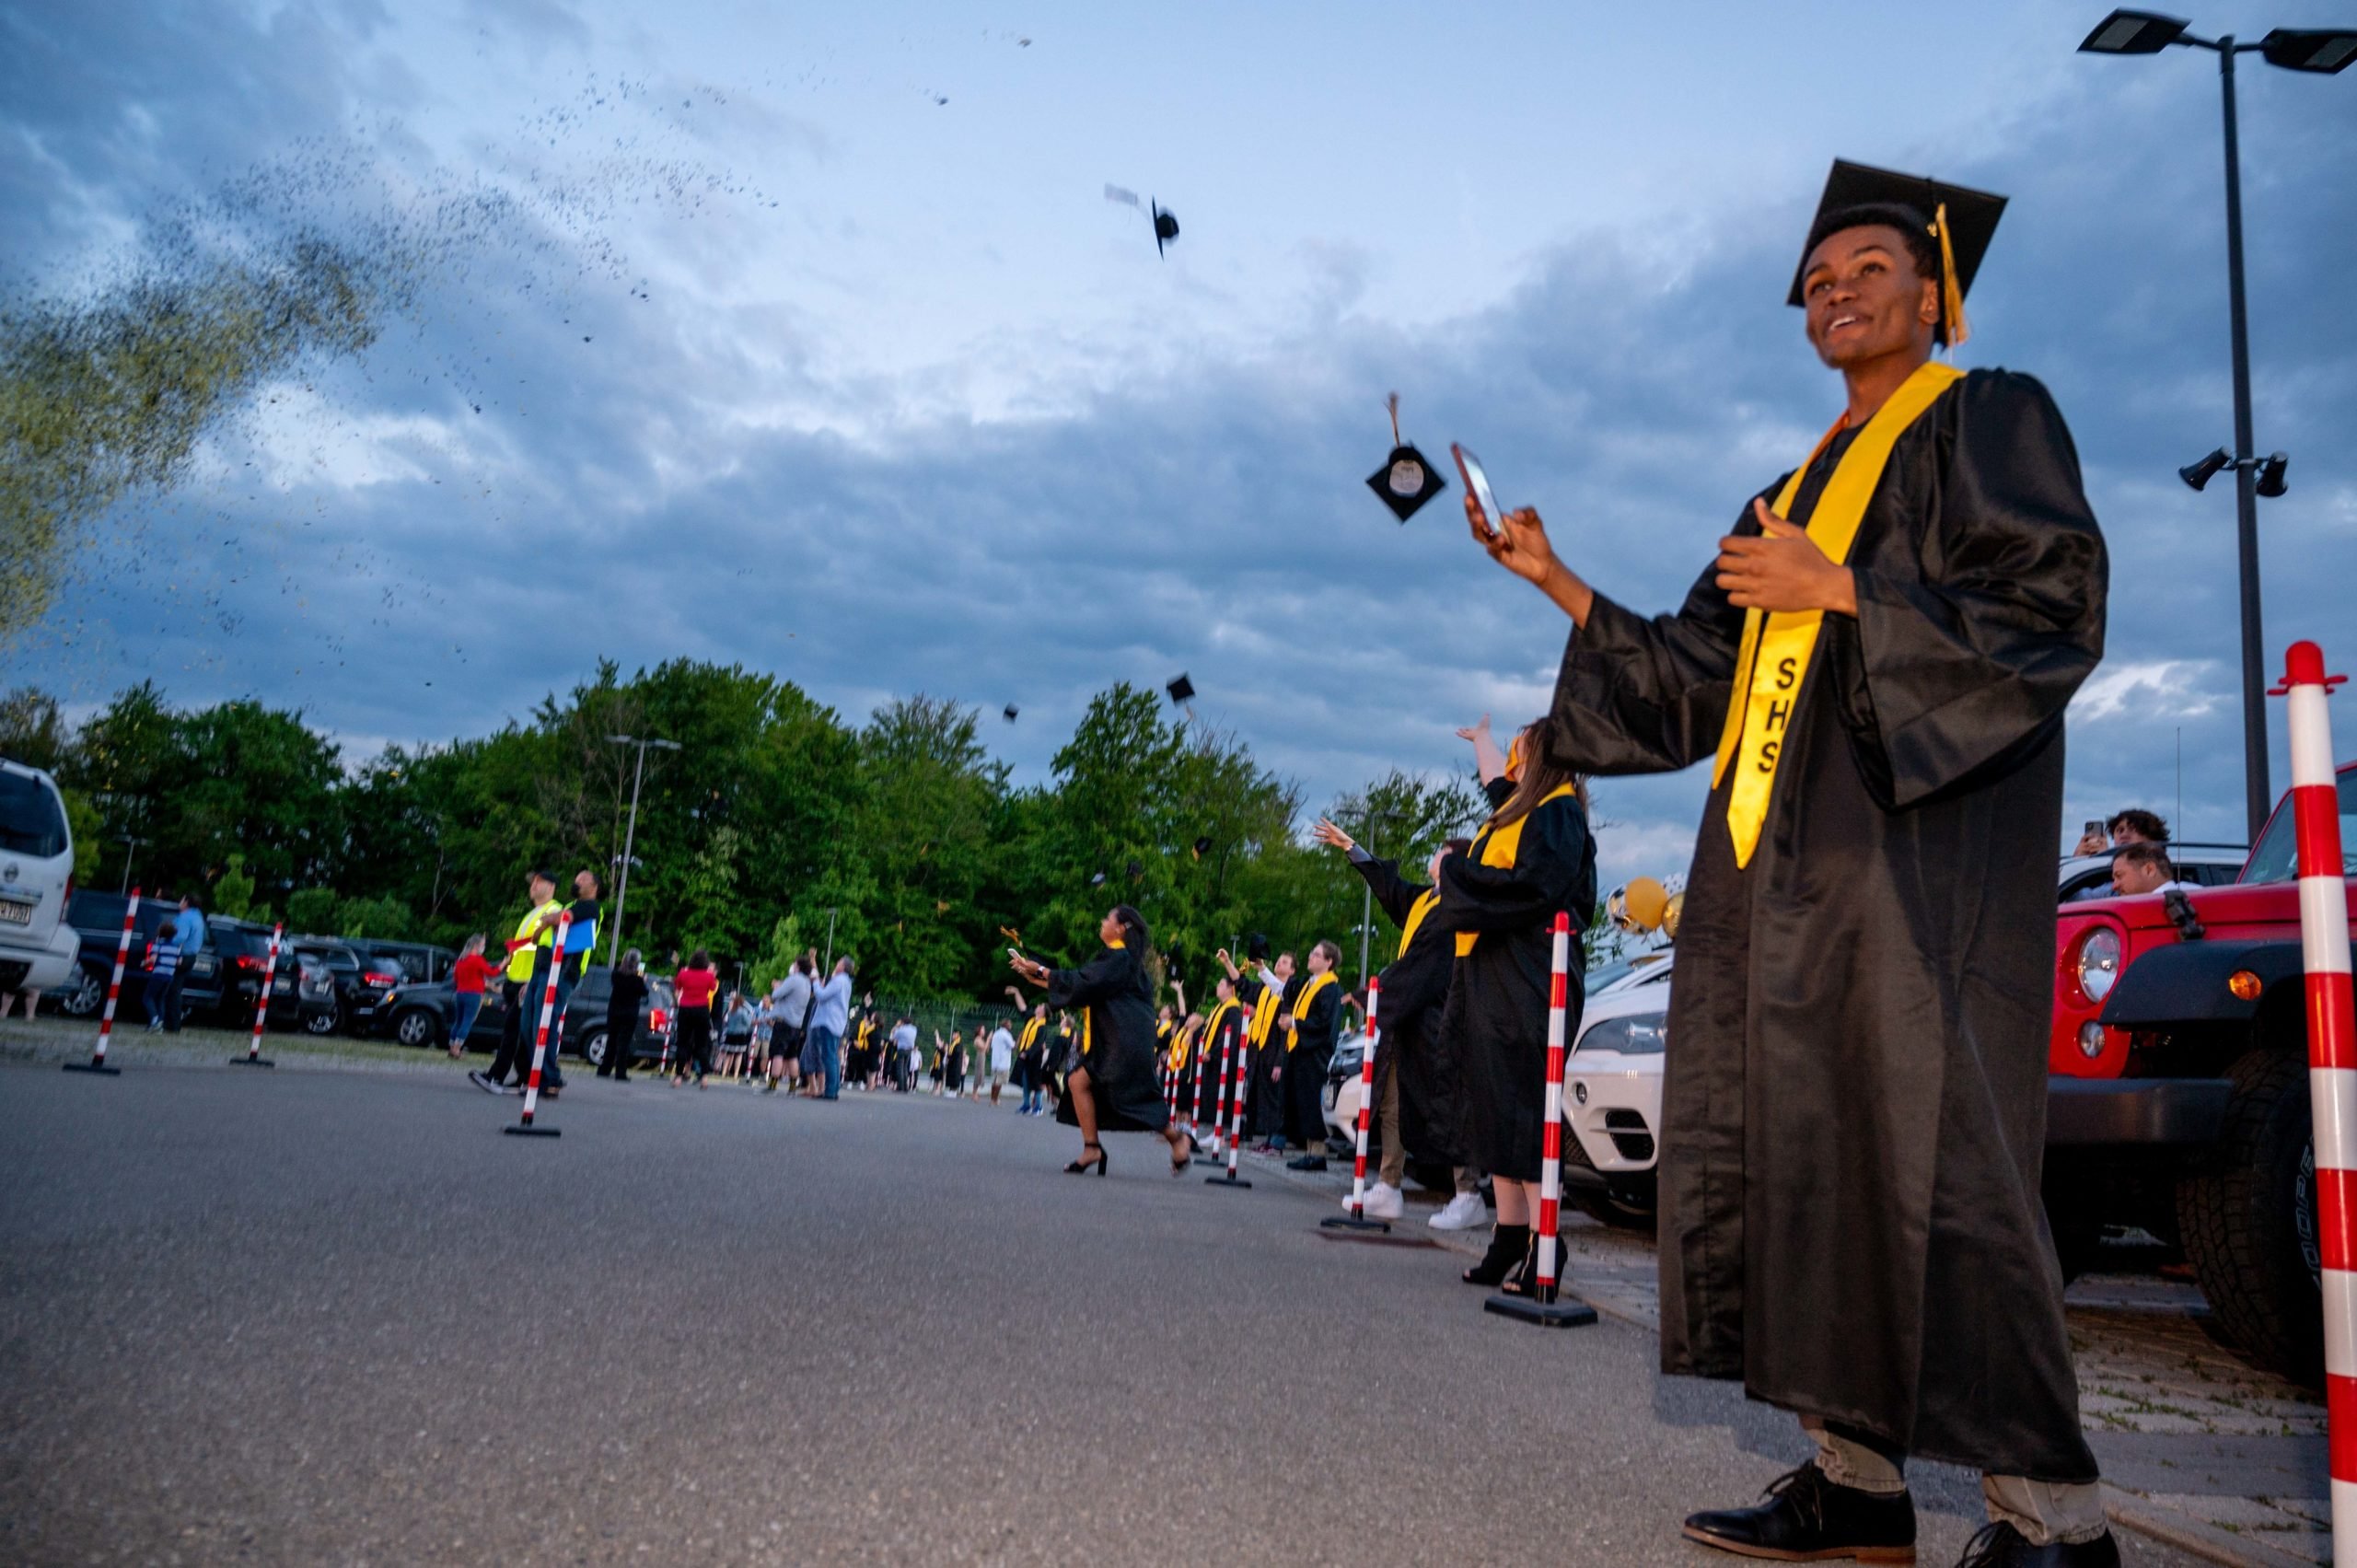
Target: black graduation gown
(1854, 1097)
(1495, 1017)
(1117, 1044)
(1268, 1109)
(1413, 987)
(1312, 1041)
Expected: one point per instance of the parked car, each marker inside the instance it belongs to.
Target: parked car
(424, 1012)
(97, 921)
(37, 943)
(241, 949)
(302, 993)
(2089, 877)
(2179, 1090)
(584, 1029)
(362, 981)
(1612, 1091)
(417, 960)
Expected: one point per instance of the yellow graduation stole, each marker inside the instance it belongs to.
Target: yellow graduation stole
(1416, 912)
(1031, 1032)
(1776, 649)
(1498, 847)
(1301, 1004)
(1264, 1016)
(1213, 1024)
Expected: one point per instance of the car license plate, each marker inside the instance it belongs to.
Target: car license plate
(281, 985)
(15, 914)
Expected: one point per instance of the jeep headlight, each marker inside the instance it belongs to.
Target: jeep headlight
(2098, 963)
(1641, 1035)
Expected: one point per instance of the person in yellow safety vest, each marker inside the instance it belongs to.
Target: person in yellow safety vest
(536, 930)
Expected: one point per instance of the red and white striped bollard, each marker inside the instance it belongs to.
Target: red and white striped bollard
(254, 1056)
(97, 1064)
(1239, 1024)
(2332, 1061)
(1356, 1219)
(540, 1039)
(1541, 1306)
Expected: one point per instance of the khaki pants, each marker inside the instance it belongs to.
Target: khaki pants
(2042, 1510)
(1394, 1172)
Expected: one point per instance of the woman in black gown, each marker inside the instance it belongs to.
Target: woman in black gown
(1115, 1084)
(1532, 860)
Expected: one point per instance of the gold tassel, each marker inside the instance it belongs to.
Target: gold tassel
(1951, 293)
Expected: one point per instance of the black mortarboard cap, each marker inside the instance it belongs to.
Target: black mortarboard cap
(1098, 881)
(1256, 947)
(1202, 847)
(1407, 479)
(1165, 227)
(1855, 192)
(1011, 711)
(1182, 690)
(1137, 870)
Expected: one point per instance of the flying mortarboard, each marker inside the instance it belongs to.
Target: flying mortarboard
(1011, 711)
(1406, 481)
(1962, 220)
(1202, 846)
(1166, 222)
(1182, 690)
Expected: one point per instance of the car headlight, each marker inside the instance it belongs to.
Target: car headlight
(1645, 1034)
(2098, 963)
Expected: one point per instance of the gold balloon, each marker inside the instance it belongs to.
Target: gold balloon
(1647, 900)
(1671, 913)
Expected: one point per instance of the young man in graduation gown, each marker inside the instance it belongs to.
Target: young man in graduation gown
(1415, 1081)
(1311, 1022)
(1876, 667)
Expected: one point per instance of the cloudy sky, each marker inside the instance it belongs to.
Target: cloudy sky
(806, 338)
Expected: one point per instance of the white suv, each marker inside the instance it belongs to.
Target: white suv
(37, 947)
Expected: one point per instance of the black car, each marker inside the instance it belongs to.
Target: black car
(424, 1012)
(362, 981)
(98, 918)
(584, 1029)
(302, 994)
(418, 961)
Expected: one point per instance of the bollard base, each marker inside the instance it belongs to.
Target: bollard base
(526, 1130)
(1354, 1222)
(1215, 1161)
(1564, 1312)
(94, 1067)
(252, 1062)
(1225, 1182)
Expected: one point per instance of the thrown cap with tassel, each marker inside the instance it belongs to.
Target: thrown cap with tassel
(1963, 220)
(1407, 479)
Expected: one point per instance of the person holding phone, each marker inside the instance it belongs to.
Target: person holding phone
(1115, 1084)
(1876, 664)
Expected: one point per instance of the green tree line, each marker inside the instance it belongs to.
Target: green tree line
(777, 825)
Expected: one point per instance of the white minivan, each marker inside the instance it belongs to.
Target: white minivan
(38, 948)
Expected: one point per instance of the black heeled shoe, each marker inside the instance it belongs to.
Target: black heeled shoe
(1508, 1246)
(1081, 1168)
(1523, 1280)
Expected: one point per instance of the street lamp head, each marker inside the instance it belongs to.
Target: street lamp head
(623, 739)
(2322, 52)
(2270, 474)
(665, 745)
(2196, 475)
(2133, 32)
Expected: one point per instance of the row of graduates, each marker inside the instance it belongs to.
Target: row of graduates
(1462, 1012)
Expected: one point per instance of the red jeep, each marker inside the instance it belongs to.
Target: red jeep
(2178, 1091)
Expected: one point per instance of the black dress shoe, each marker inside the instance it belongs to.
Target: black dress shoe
(2001, 1546)
(1306, 1161)
(1806, 1518)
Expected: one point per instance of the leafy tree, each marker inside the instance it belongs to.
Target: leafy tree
(30, 730)
(233, 894)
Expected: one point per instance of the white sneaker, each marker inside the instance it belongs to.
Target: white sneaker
(1384, 1202)
(1462, 1213)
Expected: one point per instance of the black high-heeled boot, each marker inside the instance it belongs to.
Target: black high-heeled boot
(1508, 1245)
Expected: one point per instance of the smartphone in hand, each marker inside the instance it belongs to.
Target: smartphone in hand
(1477, 485)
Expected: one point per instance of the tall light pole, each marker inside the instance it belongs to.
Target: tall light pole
(2320, 54)
(130, 843)
(630, 839)
(830, 944)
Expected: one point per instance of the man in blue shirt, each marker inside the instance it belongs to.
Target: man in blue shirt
(189, 942)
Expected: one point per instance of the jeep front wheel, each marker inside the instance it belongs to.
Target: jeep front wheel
(2249, 1219)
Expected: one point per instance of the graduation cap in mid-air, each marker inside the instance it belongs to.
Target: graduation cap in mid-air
(1137, 870)
(1182, 689)
(1407, 479)
(1960, 220)
(1202, 846)
(1166, 222)
(1011, 711)
(1098, 881)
